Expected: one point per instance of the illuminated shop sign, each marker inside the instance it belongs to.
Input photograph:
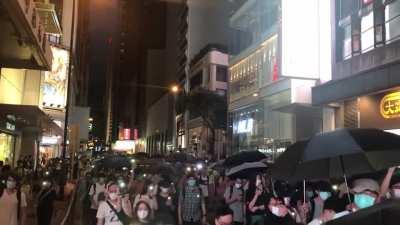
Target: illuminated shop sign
(54, 87)
(390, 106)
(50, 140)
(10, 126)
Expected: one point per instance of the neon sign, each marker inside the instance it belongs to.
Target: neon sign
(390, 106)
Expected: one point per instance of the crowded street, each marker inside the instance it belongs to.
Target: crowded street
(199, 112)
(245, 188)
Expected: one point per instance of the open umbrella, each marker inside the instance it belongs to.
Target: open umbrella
(243, 157)
(245, 170)
(387, 213)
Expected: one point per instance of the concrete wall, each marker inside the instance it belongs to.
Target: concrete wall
(159, 115)
(12, 83)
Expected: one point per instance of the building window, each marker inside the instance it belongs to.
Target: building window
(367, 32)
(347, 41)
(392, 21)
(196, 80)
(222, 72)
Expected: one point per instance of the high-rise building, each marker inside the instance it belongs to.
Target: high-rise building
(364, 90)
(280, 50)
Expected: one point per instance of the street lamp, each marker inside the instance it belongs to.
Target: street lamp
(175, 89)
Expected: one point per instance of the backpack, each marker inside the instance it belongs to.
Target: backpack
(2, 188)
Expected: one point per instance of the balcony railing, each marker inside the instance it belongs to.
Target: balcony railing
(27, 7)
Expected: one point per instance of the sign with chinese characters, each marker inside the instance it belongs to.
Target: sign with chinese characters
(390, 106)
(54, 87)
(381, 110)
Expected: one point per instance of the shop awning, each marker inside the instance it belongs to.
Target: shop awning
(357, 85)
(31, 116)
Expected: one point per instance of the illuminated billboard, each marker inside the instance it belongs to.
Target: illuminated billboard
(306, 39)
(54, 87)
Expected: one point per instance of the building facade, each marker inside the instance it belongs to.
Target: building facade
(35, 67)
(200, 23)
(276, 60)
(364, 88)
(209, 71)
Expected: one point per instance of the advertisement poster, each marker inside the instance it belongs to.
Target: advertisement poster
(54, 88)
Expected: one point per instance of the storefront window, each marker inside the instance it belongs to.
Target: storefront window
(6, 148)
(367, 32)
(247, 128)
(392, 21)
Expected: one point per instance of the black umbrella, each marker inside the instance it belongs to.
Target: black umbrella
(245, 170)
(387, 213)
(114, 162)
(366, 150)
(243, 157)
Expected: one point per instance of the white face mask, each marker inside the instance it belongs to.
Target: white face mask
(258, 182)
(142, 214)
(238, 185)
(164, 190)
(275, 210)
(396, 193)
(11, 184)
(113, 196)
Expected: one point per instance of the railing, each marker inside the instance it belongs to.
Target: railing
(32, 18)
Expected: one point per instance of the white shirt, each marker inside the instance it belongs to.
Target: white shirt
(9, 208)
(95, 195)
(106, 213)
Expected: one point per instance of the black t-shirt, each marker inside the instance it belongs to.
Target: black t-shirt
(261, 200)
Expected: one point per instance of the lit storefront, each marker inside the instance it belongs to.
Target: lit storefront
(380, 110)
(7, 146)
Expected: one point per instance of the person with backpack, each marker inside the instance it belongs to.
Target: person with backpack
(96, 194)
(191, 204)
(234, 197)
(116, 209)
(13, 203)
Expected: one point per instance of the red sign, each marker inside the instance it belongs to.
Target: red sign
(135, 134)
(127, 134)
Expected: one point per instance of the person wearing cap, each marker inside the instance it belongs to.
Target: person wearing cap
(324, 191)
(390, 187)
(366, 193)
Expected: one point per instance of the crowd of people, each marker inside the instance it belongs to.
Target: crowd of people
(208, 197)
(25, 189)
(192, 196)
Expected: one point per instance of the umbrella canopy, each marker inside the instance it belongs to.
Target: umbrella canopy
(290, 165)
(246, 169)
(114, 162)
(357, 150)
(387, 213)
(243, 157)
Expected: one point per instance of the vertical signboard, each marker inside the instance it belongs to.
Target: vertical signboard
(54, 87)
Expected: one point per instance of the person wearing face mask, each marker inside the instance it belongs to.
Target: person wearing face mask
(13, 203)
(366, 193)
(45, 201)
(116, 210)
(143, 214)
(323, 191)
(277, 213)
(234, 197)
(147, 195)
(191, 204)
(166, 208)
(96, 193)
